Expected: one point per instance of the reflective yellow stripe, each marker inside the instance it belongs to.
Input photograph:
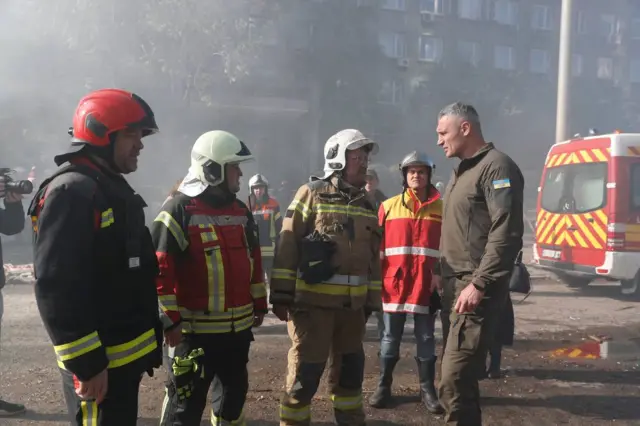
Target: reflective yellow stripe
(176, 230)
(295, 414)
(204, 327)
(107, 218)
(267, 251)
(258, 290)
(215, 278)
(283, 274)
(375, 285)
(237, 312)
(133, 350)
(128, 352)
(277, 216)
(168, 302)
(345, 403)
(332, 289)
(301, 208)
(219, 421)
(346, 209)
(89, 413)
(83, 345)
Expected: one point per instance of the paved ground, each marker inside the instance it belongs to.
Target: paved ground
(537, 390)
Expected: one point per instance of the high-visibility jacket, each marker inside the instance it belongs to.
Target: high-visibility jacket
(269, 220)
(347, 216)
(95, 270)
(409, 250)
(211, 278)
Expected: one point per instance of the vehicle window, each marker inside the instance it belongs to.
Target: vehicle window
(552, 188)
(575, 188)
(635, 186)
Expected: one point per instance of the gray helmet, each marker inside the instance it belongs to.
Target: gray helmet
(416, 159)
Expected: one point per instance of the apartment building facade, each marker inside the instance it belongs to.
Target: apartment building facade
(510, 37)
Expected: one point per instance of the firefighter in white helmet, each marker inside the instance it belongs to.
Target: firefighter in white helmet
(266, 213)
(210, 284)
(326, 279)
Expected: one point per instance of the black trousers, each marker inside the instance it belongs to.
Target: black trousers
(225, 371)
(119, 408)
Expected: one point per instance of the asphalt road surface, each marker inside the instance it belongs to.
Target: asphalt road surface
(537, 388)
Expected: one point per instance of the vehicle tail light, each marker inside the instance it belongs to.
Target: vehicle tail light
(616, 236)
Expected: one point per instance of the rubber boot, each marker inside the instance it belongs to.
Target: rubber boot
(427, 376)
(381, 398)
(494, 362)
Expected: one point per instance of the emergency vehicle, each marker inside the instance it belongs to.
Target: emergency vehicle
(588, 211)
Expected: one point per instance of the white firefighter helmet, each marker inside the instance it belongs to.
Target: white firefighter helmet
(212, 151)
(258, 180)
(335, 149)
(416, 159)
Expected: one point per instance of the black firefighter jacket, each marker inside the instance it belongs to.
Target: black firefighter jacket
(95, 269)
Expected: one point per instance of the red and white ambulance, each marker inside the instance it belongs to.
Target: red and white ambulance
(588, 212)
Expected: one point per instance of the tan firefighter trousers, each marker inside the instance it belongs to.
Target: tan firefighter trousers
(315, 333)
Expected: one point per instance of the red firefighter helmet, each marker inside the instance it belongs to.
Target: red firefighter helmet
(102, 113)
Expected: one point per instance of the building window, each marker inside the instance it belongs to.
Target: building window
(392, 44)
(430, 49)
(392, 93)
(634, 71)
(539, 61)
(635, 28)
(504, 58)
(541, 17)
(469, 52)
(607, 25)
(393, 4)
(432, 6)
(582, 22)
(605, 68)
(470, 9)
(576, 65)
(505, 12)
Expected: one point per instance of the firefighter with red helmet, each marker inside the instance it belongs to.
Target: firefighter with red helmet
(266, 213)
(95, 263)
(210, 285)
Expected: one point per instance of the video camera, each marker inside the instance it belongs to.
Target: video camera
(23, 187)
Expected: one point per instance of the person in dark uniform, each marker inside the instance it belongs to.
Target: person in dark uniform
(483, 225)
(95, 264)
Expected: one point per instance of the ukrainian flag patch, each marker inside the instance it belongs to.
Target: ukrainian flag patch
(502, 183)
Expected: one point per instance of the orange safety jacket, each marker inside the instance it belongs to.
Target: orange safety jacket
(269, 221)
(211, 277)
(409, 250)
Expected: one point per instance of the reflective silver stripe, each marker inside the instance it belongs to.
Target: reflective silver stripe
(223, 220)
(265, 211)
(236, 312)
(69, 351)
(419, 251)
(405, 307)
(128, 352)
(348, 280)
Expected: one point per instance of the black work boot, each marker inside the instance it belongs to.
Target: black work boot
(427, 376)
(382, 396)
(494, 363)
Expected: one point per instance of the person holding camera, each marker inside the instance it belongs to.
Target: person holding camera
(11, 223)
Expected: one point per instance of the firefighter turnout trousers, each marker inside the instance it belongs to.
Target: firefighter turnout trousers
(225, 370)
(119, 408)
(314, 332)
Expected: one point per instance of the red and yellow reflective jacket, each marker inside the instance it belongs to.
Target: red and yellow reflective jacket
(269, 221)
(210, 264)
(409, 250)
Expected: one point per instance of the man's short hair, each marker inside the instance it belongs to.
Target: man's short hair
(465, 111)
